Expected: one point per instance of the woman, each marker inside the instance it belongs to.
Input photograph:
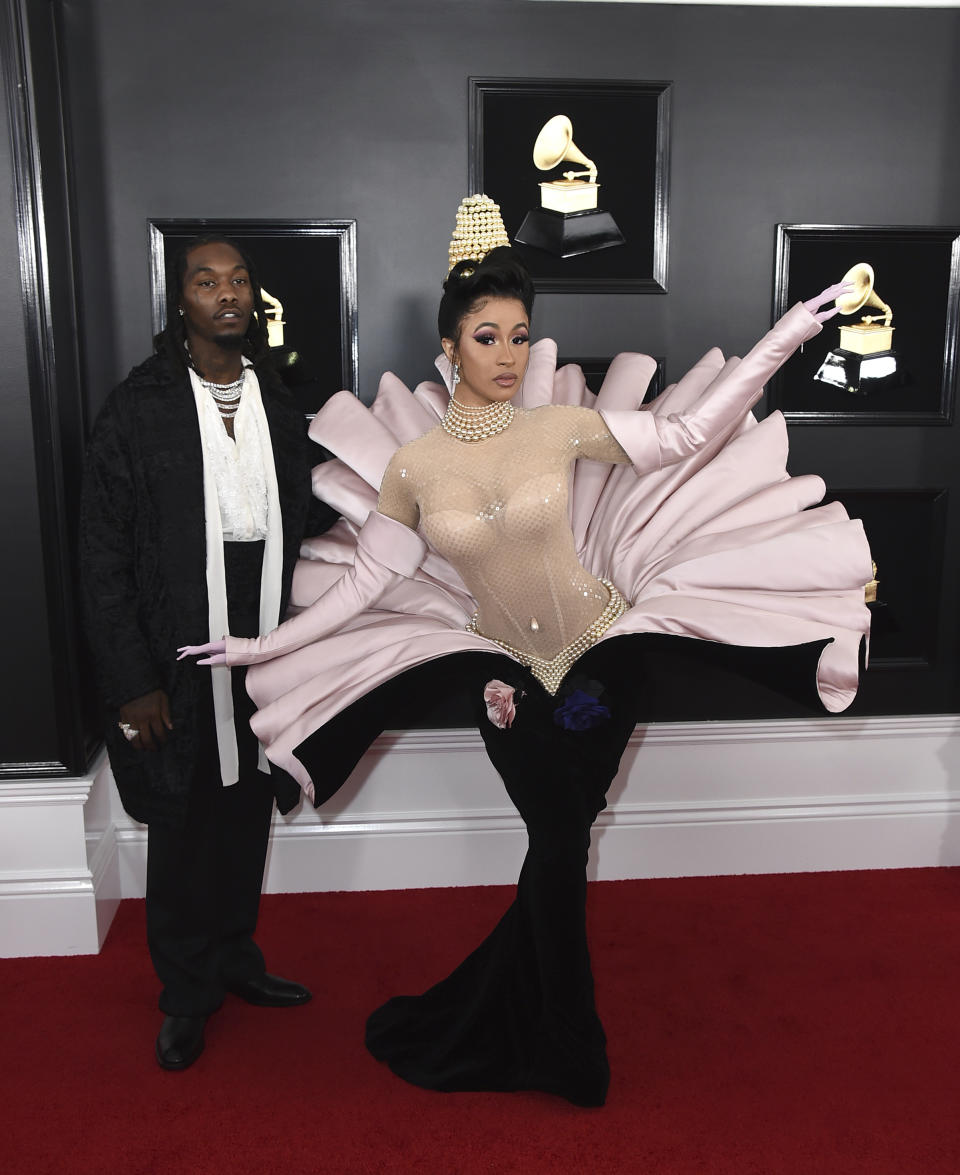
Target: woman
(470, 557)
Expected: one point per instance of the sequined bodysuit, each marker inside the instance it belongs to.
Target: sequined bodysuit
(497, 510)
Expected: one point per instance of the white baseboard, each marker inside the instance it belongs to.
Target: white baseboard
(59, 867)
(426, 809)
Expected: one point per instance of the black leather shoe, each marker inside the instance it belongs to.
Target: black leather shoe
(270, 991)
(180, 1041)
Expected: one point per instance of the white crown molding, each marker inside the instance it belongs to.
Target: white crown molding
(418, 742)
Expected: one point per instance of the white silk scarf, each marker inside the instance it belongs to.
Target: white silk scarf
(256, 434)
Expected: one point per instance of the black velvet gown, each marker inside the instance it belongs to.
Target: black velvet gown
(518, 1013)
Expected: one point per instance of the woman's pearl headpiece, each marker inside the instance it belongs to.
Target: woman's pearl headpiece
(478, 230)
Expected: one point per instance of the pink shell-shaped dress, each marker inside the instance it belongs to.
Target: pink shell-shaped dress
(723, 545)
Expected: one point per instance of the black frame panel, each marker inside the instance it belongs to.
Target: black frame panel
(917, 271)
(907, 531)
(624, 126)
(311, 266)
(32, 66)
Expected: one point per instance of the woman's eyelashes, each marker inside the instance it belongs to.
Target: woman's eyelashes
(486, 339)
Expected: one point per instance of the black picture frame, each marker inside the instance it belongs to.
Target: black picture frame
(311, 267)
(624, 126)
(917, 272)
(595, 369)
(58, 734)
(907, 533)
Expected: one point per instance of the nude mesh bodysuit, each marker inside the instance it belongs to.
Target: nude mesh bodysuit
(497, 510)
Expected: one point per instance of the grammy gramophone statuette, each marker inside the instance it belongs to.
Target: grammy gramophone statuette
(865, 360)
(285, 359)
(568, 221)
(275, 320)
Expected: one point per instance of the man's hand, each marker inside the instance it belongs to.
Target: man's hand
(149, 716)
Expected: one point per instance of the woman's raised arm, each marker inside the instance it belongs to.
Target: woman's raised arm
(653, 441)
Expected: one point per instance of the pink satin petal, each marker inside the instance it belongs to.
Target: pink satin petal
(399, 411)
(350, 431)
(681, 498)
(590, 479)
(778, 502)
(570, 387)
(433, 397)
(537, 386)
(445, 367)
(347, 492)
(626, 381)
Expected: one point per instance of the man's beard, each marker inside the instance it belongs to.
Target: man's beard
(231, 342)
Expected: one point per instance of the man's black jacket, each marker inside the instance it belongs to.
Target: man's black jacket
(143, 565)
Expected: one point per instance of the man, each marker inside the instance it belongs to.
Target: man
(196, 497)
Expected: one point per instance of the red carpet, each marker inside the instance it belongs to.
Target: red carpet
(807, 1024)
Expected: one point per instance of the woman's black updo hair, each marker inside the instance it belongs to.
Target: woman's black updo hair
(501, 274)
(172, 339)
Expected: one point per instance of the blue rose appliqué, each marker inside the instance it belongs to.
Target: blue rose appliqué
(580, 711)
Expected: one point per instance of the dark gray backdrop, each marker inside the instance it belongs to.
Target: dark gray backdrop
(359, 110)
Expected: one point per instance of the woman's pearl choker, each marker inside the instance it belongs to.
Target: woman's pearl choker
(468, 422)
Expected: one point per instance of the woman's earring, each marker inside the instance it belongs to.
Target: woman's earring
(180, 311)
(455, 377)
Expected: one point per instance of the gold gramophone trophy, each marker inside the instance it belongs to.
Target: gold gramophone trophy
(865, 360)
(275, 320)
(568, 221)
(285, 359)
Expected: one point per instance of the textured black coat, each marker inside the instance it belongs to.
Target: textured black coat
(143, 565)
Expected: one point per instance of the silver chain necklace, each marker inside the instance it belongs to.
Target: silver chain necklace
(225, 396)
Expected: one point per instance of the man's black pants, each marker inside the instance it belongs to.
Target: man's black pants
(204, 876)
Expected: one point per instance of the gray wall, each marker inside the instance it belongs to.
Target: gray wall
(359, 110)
(195, 108)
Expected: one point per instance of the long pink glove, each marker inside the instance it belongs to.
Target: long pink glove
(828, 295)
(387, 551)
(216, 649)
(652, 441)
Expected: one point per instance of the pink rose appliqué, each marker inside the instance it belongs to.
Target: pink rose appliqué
(500, 705)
